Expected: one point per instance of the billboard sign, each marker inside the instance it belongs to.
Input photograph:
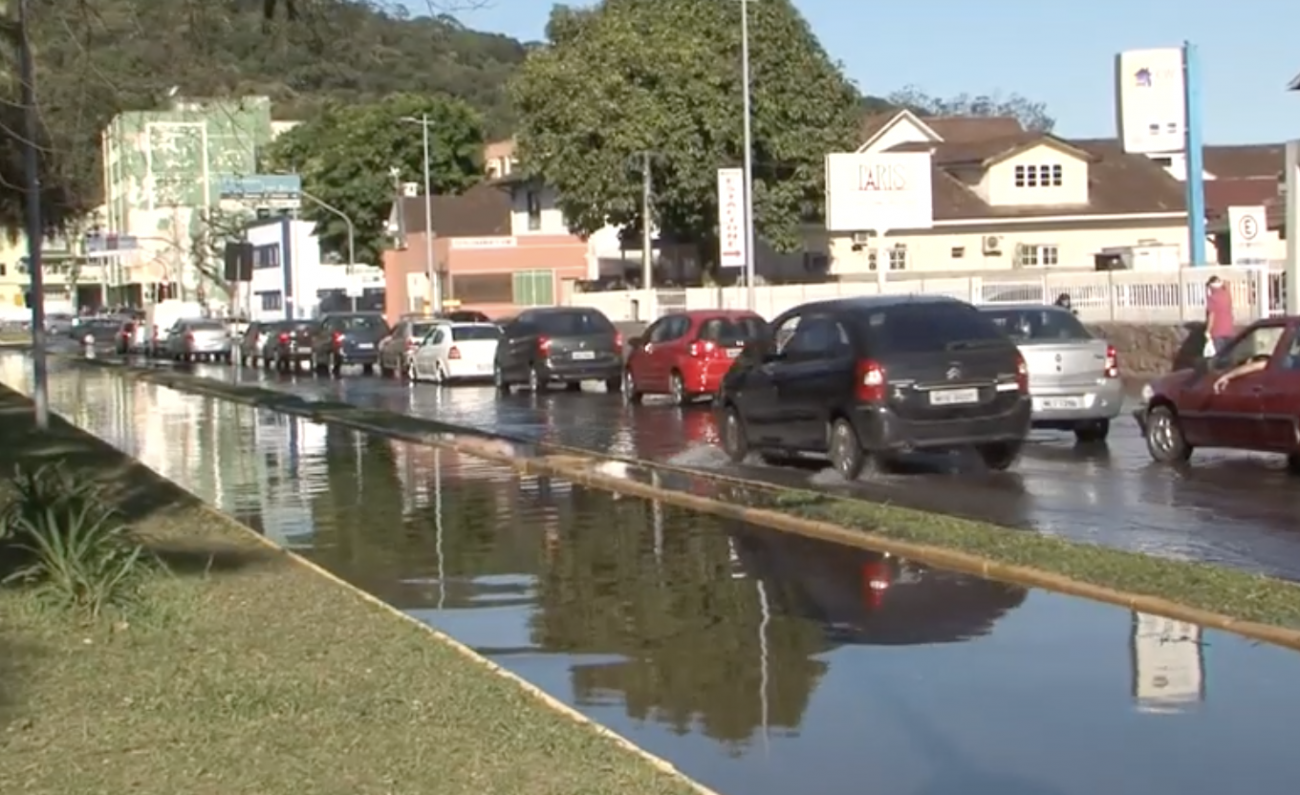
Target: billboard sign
(733, 243)
(878, 192)
(1151, 103)
(270, 191)
(1248, 235)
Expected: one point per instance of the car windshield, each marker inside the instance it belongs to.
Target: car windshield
(732, 330)
(1042, 325)
(421, 330)
(574, 324)
(470, 333)
(360, 322)
(468, 316)
(930, 327)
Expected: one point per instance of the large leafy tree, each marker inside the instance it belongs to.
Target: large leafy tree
(664, 76)
(1032, 115)
(351, 156)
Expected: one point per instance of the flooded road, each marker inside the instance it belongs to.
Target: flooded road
(1236, 510)
(758, 663)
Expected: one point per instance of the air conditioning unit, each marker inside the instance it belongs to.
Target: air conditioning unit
(410, 189)
(992, 245)
(861, 238)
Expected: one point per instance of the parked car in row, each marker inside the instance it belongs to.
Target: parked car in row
(99, 335)
(292, 345)
(397, 349)
(861, 379)
(1247, 397)
(1073, 376)
(565, 345)
(199, 340)
(686, 354)
(455, 352)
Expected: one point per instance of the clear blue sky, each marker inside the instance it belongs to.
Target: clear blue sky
(1057, 52)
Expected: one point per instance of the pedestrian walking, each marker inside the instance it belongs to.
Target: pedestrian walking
(1219, 324)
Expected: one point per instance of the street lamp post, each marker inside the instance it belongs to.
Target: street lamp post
(35, 227)
(751, 253)
(435, 285)
(352, 235)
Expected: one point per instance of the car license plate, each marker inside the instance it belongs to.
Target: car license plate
(365, 346)
(584, 355)
(304, 349)
(1059, 403)
(732, 353)
(954, 397)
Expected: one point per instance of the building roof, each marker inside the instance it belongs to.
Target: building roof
(1220, 194)
(481, 211)
(1245, 160)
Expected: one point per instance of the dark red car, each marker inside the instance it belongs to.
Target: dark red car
(1257, 408)
(685, 354)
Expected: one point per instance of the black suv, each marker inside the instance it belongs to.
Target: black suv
(857, 379)
(565, 345)
(345, 338)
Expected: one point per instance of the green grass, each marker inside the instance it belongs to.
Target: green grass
(1230, 592)
(243, 671)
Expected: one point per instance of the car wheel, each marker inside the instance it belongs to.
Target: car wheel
(846, 453)
(336, 365)
(536, 383)
(1092, 432)
(630, 393)
(439, 373)
(243, 361)
(318, 367)
(999, 456)
(386, 372)
(573, 386)
(735, 439)
(677, 388)
(499, 379)
(1293, 463)
(412, 371)
(1165, 440)
(367, 369)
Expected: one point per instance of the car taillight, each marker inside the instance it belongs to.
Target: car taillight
(544, 346)
(338, 339)
(284, 338)
(454, 353)
(701, 348)
(869, 385)
(618, 340)
(1112, 362)
(189, 336)
(1022, 374)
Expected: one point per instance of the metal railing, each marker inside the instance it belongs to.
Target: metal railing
(1097, 296)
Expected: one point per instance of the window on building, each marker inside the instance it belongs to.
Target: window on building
(534, 200)
(534, 288)
(266, 256)
(1035, 256)
(272, 301)
(483, 288)
(898, 258)
(873, 260)
(958, 252)
(4, 269)
(1049, 176)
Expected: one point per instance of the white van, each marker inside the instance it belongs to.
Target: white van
(160, 317)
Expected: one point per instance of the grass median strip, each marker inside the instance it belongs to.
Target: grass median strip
(1217, 589)
(238, 670)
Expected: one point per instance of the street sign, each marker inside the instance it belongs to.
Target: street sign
(733, 243)
(110, 245)
(272, 191)
(355, 290)
(1248, 235)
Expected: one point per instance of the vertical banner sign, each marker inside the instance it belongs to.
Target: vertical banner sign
(732, 243)
(1248, 235)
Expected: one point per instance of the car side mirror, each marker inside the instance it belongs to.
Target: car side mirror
(636, 342)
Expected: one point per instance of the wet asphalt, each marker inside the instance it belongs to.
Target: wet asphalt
(757, 663)
(1233, 509)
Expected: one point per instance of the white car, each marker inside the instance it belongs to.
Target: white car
(455, 351)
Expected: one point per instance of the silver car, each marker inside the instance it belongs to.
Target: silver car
(1073, 376)
(199, 340)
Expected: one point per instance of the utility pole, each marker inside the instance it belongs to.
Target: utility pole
(35, 227)
(751, 299)
(647, 236)
(431, 270)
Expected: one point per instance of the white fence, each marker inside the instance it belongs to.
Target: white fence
(1098, 296)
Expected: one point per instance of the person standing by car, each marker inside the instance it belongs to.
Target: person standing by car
(1219, 325)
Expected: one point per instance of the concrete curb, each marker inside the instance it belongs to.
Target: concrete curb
(578, 467)
(546, 699)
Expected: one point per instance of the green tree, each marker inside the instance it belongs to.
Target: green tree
(349, 156)
(664, 76)
(1032, 115)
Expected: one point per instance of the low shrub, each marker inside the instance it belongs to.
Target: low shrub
(62, 537)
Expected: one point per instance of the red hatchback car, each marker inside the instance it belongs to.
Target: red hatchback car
(1245, 398)
(685, 354)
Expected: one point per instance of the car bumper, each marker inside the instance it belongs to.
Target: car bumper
(1069, 405)
(583, 371)
(362, 357)
(880, 429)
(208, 350)
(290, 354)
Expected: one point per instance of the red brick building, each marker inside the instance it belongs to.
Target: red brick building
(485, 260)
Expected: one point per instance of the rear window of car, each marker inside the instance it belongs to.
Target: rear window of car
(471, 333)
(1038, 325)
(206, 325)
(420, 330)
(574, 324)
(360, 322)
(929, 327)
(730, 330)
(468, 316)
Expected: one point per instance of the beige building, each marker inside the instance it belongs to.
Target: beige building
(1007, 198)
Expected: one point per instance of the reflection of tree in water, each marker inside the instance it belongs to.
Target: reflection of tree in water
(689, 631)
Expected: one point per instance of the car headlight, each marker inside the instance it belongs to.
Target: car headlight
(1147, 393)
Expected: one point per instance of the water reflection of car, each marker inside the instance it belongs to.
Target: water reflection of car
(864, 597)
